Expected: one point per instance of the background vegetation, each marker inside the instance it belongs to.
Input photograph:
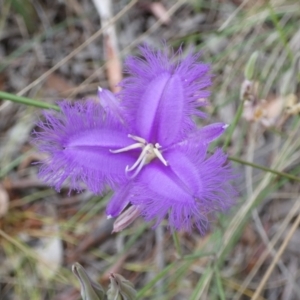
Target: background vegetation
(50, 50)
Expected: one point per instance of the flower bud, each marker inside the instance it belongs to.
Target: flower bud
(110, 103)
(126, 218)
(120, 288)
(250, 66)
(90, 290)
(246, 90)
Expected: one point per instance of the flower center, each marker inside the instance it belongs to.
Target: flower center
(149, 152)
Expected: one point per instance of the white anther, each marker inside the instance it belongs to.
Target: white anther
(139, 168)
(159, 156)
(137, 138)
(149, 152)
(131, 147)
(140, 158)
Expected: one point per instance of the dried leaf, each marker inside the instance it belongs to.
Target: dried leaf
(126, 218)
(160, 12)
(4, 201)
(16, 136)
(57, 84)
(292, 106)
(50, 253)
(273, 108)
(249, 90)
(113, 65)
(265, 111)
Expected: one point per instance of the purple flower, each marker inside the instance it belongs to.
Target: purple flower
(143, 144)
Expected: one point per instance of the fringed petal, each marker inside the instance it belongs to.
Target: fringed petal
(78, 141)
(186, 191)
(150, 129)
(202, 136)
(162, 98)
(111, 104)
(119, 200)
(169, 91)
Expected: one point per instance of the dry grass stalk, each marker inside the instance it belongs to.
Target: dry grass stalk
(276, 258)
(78, 49)
(114, 65)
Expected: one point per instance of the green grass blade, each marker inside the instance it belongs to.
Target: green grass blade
(27, 101)
(159, 276)
(202, 283)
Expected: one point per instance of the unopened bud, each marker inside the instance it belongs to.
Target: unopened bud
(90, 290)
(246, 90)
(110, 103)
(120, 288)
(250, 66)
(126, 218)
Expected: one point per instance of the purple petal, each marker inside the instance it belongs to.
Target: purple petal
(202, 136)
(110, 103)
(78, 141)
(209, 133)
(162, 98)
(161, 95)
(159, 194)
(119, 201)
(217, 176)
(187, 190)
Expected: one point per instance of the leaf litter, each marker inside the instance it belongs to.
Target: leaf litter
(77, 230)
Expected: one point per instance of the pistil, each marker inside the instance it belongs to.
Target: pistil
(149, 152)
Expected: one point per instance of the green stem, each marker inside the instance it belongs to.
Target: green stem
(219, 284)
(40, 104)
(232, 126)
(198, 255)
(159, 276)
(27, 101)
(247, 163)
(177, 244)
(280, 31)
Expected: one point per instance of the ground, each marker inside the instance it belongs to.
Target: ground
(53, 50)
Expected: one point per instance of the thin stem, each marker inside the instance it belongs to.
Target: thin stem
(247, 163)
(276, 259)
(280, 31)
(159, 276)
(232, 126)
(176, 242)
(219, 284)
(27, 101)
(198, 255)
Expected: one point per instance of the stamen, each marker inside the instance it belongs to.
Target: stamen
(137, 138)
(139, 168)
(159, 156)
(131, 147)
(140, 158)
(149, 152)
